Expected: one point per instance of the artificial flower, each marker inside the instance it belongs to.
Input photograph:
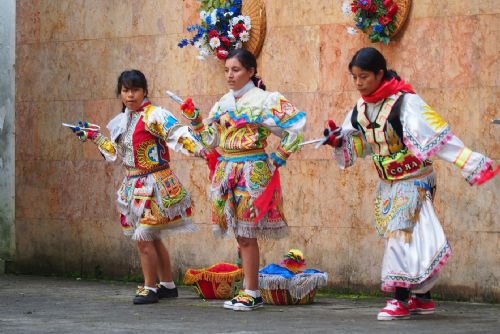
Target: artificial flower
(238, 29)
(376, 18)
(245, 36)
(222, 28)
(364, 4)
(351, 31)
(384, 20)
(221, 54)
(214, 42)
(392, 10)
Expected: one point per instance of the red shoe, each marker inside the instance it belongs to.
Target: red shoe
(394, 310)
(418, 306)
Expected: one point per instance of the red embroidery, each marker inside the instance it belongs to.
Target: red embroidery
(407, 166)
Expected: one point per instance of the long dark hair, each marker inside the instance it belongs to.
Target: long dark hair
(248, 61)
(370, 59)
(131, 79)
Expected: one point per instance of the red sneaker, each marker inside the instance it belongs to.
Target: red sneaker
(419, 306)
(394, 310)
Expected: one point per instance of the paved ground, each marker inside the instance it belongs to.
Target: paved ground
(30, 304)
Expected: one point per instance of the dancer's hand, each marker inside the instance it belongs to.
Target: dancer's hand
(487, 174)
(333, 132)
(189, 110)
(86, 130)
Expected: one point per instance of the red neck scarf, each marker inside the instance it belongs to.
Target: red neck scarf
(388, 88)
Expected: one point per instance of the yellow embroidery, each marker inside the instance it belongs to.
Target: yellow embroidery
(188, 144)
(434, 120)
(260, 173)
(147, 155)
(393, 140)
(358, 145)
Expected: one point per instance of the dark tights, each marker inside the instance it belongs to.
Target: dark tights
(402, 294)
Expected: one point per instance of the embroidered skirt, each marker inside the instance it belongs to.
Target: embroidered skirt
(235, 186)
(414, 256)
(154, 205)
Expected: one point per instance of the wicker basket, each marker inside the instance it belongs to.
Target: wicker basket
(280, 286)
(401, 15)
(256, 10)
(220, 281)
(283, 297)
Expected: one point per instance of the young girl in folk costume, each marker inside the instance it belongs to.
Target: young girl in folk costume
(238, 126)
(151, 200)
(401, 132)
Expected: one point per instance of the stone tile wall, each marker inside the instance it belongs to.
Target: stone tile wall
(69, 54)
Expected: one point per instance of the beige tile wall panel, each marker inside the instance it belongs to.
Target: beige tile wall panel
(70, 52)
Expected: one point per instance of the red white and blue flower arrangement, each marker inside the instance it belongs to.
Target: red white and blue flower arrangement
(377, 18)
(222, 29)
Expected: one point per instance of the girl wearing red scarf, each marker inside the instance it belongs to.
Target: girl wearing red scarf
(401, 132)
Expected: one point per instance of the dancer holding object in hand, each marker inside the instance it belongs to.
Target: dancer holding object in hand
(245, 190)
(151, 200)
(401, 133)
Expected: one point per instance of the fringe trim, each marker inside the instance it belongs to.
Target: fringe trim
(192, 276)
(250, 232)
(178, 209)
(219, 233)
(262, 233)
(184, 226)
(142, 233)
(298, 286)
(223, 187)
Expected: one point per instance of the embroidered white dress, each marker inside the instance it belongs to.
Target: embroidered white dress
(401, 141)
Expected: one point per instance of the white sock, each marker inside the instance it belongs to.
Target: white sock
(168, 285)
(253, 293)
(150, 288)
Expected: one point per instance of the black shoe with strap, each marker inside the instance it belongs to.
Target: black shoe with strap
(245, 302)
(164, 292)
(145, 296)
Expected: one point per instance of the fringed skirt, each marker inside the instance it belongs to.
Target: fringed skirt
(153, 206)
(417, 250)
(235, 186)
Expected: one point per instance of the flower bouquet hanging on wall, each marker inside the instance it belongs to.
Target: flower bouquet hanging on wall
(379, 19)
(222, 28)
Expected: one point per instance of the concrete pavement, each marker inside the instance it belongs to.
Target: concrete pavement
(31, 304)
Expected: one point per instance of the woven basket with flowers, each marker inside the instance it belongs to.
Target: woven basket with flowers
(226, 25)
(381, 20)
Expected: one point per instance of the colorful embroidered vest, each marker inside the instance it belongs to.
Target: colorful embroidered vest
(142, 150)
(239, 125)
(392, 159)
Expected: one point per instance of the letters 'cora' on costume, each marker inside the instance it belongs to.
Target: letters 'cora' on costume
(401, 141)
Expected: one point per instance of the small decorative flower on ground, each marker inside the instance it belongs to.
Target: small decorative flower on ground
(374, 17)
(222, 28)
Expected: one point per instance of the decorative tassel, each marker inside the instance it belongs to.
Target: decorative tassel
(212, 160)
(269, 198)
